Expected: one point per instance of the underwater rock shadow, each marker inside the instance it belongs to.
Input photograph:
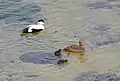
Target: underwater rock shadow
(97, 77)
(96, 5)
(39, 58)
(103, 5)
(107, 42)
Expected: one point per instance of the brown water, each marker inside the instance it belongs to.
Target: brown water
(66, 22)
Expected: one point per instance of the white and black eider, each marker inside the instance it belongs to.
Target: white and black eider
(35, 27)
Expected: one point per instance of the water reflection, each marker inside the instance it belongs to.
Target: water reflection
(81, 57)
(30, 34)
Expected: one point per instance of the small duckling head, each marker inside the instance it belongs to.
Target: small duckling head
(58, 52)
(41, 22)
(66, 60)
(62, 61)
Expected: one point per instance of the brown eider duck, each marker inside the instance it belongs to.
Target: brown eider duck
(75, 48)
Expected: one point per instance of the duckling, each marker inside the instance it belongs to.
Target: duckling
(62, 61)
(58, 52)
(34, 28)
(75, 48)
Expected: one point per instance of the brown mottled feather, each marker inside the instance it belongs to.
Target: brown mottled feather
(75, 48)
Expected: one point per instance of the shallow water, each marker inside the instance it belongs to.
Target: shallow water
(97, 21)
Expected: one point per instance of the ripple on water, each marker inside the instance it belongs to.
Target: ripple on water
(107, 42)
(97, 5)
(102, 34)
(105, 4)
(39, 58)
(17, 11)
(97, 77)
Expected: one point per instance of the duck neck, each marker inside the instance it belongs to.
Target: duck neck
(80, 43)
(40, 23)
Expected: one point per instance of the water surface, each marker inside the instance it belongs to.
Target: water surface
(66, 22)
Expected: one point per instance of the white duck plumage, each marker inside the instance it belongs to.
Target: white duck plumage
(34, 28)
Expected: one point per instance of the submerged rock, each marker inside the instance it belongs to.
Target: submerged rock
(39, 58)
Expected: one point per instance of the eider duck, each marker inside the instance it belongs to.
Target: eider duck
(75, 48)
(35, 27)
(62, 61)
(58, 52)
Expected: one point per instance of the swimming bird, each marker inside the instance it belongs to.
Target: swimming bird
(62, 61)
(58, 52)
(35, 27)
(75, 48)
